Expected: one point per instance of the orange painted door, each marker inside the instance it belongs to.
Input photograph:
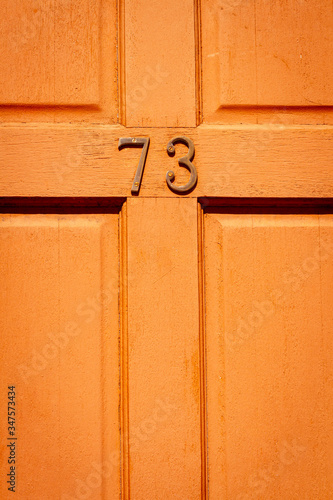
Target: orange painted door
(159, 343)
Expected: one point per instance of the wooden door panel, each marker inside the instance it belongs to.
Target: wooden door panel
(58, 60)
(59, 345)
(269, 355)
(259, 53)
(41, 32)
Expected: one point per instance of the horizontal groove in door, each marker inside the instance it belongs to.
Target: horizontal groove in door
(60, 205)
(267, 205)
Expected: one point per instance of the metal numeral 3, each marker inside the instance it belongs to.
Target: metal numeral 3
(185, 161)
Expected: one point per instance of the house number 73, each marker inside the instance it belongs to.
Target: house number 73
(185, 161)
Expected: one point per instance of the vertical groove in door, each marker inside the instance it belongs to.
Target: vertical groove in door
(123, 355)
(202, 354)
(121, 82)
(198, 60)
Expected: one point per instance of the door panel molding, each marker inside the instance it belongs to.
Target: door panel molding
(202, 352)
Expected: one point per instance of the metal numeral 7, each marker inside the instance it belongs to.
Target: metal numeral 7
(136, 142)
